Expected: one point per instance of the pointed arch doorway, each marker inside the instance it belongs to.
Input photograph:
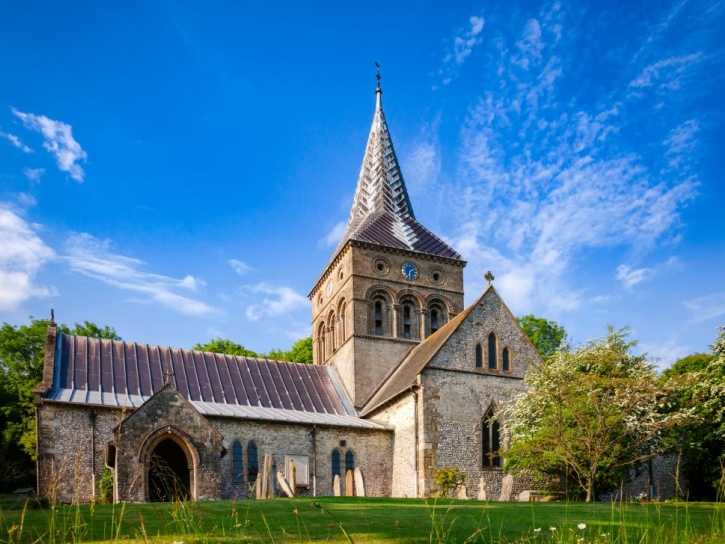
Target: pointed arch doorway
(170, 471)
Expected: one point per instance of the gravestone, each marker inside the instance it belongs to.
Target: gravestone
(284, 485)
(507, 486)
(482, 490)
(359, 483)
(336, 486)
(462, 492)
(267, 477)
(293, 477)
(349, 485)
(258, 487)
(525, 496)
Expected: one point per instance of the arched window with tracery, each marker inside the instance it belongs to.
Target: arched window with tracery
(379, 314)
(479, 356)
(407, 310)
(436, 316)
(252, 462)
(237, 462)
(333, 339)
(492, 355)
(505, 360)
(491, 440)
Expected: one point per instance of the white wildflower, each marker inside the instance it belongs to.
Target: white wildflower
(582, 526)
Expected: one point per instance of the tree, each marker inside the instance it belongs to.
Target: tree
(22, 352)
(589, 414)
(219, 345)
(547, 336)
(300, 352)
(701, 377)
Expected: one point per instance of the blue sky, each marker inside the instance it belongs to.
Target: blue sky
(183, 171)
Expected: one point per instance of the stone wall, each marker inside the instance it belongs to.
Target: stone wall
(67, 470)
(373, 451)
(663, 480)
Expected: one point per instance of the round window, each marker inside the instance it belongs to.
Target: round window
(381, 266)
(436, 276)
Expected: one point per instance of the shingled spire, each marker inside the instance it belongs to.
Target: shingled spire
(381, 211)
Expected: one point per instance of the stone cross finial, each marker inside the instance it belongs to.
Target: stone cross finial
(52, 316)
(168, 373)
(378, 74)
(488, 277)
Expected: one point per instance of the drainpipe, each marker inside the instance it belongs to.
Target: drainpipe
(92, 417)
(415, 427)
(314, 460)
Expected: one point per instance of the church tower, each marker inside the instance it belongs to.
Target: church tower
(389, 284)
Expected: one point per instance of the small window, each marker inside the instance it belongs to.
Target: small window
(406, 321)
(479, 356)
(505, 364)
(237, 462)
(378, 317)
(433, 320)
(349, 461)
(336, 458)
(492, 351)
(491, 443)
(252, 462)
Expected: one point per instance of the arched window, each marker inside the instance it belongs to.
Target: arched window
(436, 316)
(434, 326)
(336, 464)
(492, 351)
(491, 440)
(378, 317)
(479, 356)
(343, 332)
(349, 461)
(321, 343)
(505, 364)
(333, 339)
(237, 462)
(252, 462)
(406, 320)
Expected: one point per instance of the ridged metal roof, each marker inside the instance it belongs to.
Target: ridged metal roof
(381, 211)
(125, 374)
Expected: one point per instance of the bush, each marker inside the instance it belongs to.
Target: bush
(105, 487)
(448, 480)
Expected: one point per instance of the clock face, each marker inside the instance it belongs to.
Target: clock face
(409, 271)
(329, 288)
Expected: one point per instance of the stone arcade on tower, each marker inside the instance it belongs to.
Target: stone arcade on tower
(405, 380)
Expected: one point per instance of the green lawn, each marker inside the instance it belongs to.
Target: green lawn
(369, 520)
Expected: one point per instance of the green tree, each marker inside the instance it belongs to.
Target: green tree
(300, 352)
(701, 378)
(589, 414)
(547, 336)
(219, 345)
(22, 352)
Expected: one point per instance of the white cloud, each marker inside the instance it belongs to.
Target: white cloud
(665, 353)
(240, 267)
(22, 254)
(632, 276)
(59, 142)
(462, 46)
(706, 307)
(423, 165)
(666, 74)
(333, 237)
(281, 301)
(34, 174)
(16, 142)
(92, 257)
(26, 200)
(681, 143)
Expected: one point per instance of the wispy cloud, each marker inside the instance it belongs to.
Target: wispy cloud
(240, 267)
(665, 353)
(94, 258)
(462, 45)
(664, 75)
(34, 174)
(333, 237)
(16, 142)
(632, 276)
(277, 301)
(22, 254)
(706, 307)
(546, 175)
(58, 141)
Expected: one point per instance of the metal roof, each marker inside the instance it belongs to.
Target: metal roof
(125, 374)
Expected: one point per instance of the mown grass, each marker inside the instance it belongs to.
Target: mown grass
(369, 520)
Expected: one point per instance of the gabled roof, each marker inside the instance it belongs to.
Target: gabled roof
(415, 361)
(119, 374)
(381, 211)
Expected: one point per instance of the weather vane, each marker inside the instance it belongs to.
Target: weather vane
(488, 277)
(378, 74)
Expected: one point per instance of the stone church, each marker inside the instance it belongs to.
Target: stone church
(405, 380)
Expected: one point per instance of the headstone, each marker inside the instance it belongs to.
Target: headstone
(293, 477)
(525, 496)
(482, 490)
(507, 486)
(462, 492)
(284, 485)
(258, 487)
(359, 483)
(349, 484)
(336, 485)
(267, 477)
